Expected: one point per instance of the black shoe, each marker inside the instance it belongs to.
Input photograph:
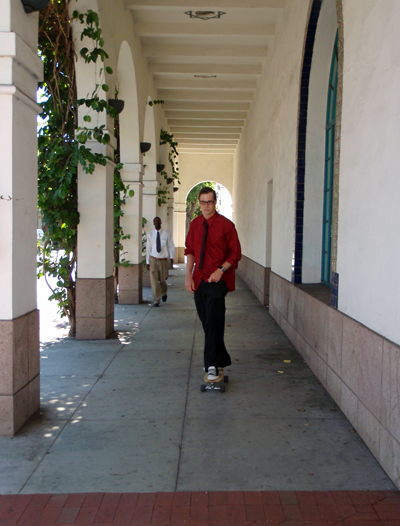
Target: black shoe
(156, 304)
(164, 298)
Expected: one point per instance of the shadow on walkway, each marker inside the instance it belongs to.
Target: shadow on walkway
(127, 414)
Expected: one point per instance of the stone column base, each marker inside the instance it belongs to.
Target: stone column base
(146, 278)
(19, 371)
(130, 280)
(179, 255)
(94, 308)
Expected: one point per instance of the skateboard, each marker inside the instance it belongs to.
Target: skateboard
(211, 385)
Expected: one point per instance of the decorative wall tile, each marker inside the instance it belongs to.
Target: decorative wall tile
(301, 140)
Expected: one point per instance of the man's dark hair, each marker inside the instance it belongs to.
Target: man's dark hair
(207, 190)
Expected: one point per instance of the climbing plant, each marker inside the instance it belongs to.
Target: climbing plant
(62, 145)
(163, 189)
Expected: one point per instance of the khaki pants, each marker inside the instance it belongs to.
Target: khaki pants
(158, 276)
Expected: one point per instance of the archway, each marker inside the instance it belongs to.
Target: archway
(150, 183)
(322, 29)
(129, 118)
(223, 206)
(130, 278)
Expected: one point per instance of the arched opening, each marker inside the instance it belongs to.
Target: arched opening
(149, 135)
(224, 201)
(329, 169)
(129, 118)
(312, 128)
(150, 184)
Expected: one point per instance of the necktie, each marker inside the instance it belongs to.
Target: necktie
(203, 245)
(158, 242)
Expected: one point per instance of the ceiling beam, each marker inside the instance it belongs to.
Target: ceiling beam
(202, 4)
(182, 106)
(205, 69)
(206, 115)
(206, 95)
(208, 123)
(154, 50)
(208, 141)
(207, 148)
(194, 129)
(188, 30)
(164, 83)
(231, 136)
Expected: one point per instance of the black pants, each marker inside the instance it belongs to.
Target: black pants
(210, 304)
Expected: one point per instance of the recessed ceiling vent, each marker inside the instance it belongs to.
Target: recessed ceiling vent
(206, 76)
(205, 15)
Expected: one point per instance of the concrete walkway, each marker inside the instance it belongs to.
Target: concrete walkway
(127, 414)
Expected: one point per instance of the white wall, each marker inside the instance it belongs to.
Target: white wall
(267, 149)
(369, 211)
(195, 168)
(315, 141)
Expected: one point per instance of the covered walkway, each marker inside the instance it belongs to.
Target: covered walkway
(126, 416)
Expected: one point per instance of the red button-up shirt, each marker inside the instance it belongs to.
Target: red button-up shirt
(222, 245)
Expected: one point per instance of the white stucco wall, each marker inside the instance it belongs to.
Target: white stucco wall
(195, 168)
(267, 149)
(369, 211)
(315, 141)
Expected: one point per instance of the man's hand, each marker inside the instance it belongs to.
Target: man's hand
(189, 284)
(215, 276)
(172, 263)
(148, 267)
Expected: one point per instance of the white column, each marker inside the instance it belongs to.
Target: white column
(95, 284)
(130, 278)
(179, 231)
(20, 71)
(150, 198)
(170, 212)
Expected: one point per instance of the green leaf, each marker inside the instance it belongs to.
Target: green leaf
(131, 193)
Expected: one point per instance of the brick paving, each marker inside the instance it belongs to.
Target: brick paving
(216, 508)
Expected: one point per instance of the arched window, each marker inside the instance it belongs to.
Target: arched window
(329, 168)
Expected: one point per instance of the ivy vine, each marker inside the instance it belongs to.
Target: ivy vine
(62, 147)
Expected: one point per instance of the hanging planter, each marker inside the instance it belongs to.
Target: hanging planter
(176, 188)
(117, 104)
(169, 180)
(160, 167)
(34, 5)
(145, 147)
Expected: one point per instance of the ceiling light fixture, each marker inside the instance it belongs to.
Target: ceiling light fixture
(206, 76)
(205, 15)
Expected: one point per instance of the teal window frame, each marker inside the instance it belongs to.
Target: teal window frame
(330, 129)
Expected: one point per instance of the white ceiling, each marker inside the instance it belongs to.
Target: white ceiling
(206, 114)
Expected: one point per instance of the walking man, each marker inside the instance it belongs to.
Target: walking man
(160, 251)
(213, 252)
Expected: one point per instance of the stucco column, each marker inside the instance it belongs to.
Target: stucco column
(179, 231)
(20, 71)
(150, 199)
(130, 278)
(149, 203)
(95, 283)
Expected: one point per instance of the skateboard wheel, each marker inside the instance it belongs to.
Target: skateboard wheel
(226, 379)
(222, 389)
(202, 388)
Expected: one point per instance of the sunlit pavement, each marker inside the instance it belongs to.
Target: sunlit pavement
(125, 435)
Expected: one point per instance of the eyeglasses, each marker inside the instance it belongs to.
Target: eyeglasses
(204, 203)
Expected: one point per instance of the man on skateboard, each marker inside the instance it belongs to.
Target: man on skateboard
(213, 252)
